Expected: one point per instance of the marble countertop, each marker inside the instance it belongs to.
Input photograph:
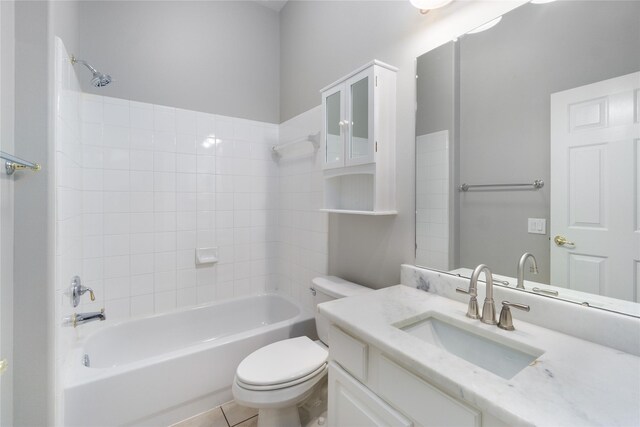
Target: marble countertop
(574, 383)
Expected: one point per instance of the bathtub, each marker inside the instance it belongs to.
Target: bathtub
(165, 368)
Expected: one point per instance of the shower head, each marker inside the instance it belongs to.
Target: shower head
(99, 79)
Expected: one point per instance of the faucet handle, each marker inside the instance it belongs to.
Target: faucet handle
(506, 321)
(472, 309)
(78, 289)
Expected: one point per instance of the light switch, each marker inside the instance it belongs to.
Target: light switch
(537, 226)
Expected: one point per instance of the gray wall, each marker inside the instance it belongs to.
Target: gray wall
(7, 103)
(33, 292)
(506, 77)
(321, 42)
(219, 57)
(435, 89)
(437, 109)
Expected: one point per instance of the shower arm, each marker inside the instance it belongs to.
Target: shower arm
(75, 60)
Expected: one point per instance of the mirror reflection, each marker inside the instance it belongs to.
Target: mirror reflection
(359, 131)
(334, 144)
(525, 143)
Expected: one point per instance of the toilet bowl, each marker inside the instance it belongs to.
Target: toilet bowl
(276, 378)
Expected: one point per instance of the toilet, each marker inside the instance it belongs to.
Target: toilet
(276, 378)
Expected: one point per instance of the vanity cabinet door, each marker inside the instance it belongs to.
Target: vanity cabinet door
(425, 404)
(359, 127)
(334, 125)
(352, 404)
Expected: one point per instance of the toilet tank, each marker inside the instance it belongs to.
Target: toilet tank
(329, 288)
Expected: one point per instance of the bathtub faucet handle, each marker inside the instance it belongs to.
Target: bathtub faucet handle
(77, 290)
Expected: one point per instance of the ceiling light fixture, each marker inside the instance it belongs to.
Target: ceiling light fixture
(426, 5)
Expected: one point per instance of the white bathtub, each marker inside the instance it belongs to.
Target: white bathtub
(161, 369)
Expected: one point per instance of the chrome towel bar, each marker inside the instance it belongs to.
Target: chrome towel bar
(14, 163)
(538, 183)
(314, 139)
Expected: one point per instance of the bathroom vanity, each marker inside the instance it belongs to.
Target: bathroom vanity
(403, 356)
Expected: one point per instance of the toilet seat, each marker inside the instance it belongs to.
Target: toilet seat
(307, 377)
(282, 364)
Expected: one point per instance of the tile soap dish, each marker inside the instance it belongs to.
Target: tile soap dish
(206, 256)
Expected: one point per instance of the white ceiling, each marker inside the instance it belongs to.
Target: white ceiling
(276, 5)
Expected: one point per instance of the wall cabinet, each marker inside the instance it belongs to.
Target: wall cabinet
(376, 391)
(358, 141)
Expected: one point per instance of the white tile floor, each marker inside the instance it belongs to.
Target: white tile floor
(229, 414)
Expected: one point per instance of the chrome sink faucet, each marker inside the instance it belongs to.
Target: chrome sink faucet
(521, 263)
(489, 307)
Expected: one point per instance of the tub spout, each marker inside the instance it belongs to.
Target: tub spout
(79, 318)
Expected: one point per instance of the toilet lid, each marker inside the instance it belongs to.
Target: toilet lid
(282, 362)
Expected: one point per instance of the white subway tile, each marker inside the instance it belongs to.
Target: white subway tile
(142, 305)
(116, 266)
(186, 297)
(164, 221)
(141, 181)
(164, 141)
(116, 114)
(142, 202)
(186, 240)
(116, 180)
(165, 261)
(206, 183)
(142, 264)
(141, 160)
(186, 144)
(141, 116)
(164, 281)
(186, 163)
(117, 244)
(143, 243)
(186, 278)
(142, 284)
(165, 301)
(117, 288)
(164, 162)
(165, 241)
(142, 139)
(186, 122)
(164, 119)
(142, 222)
(115, 136)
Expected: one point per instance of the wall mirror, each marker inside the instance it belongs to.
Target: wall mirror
(528, 140)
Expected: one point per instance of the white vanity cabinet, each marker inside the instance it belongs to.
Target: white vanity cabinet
(366, 388)
(358, 141)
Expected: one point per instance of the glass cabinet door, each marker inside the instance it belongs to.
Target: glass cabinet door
(334, 142)
(359, 140)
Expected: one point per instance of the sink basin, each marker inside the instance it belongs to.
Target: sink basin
(504, 358)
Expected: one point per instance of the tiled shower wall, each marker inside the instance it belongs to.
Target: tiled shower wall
(141, 186)
(432, 200)
(160, 182)
(303, 229)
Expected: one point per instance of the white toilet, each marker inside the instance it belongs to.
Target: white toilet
(279, 376)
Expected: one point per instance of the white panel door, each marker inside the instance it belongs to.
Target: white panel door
(595, 136)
